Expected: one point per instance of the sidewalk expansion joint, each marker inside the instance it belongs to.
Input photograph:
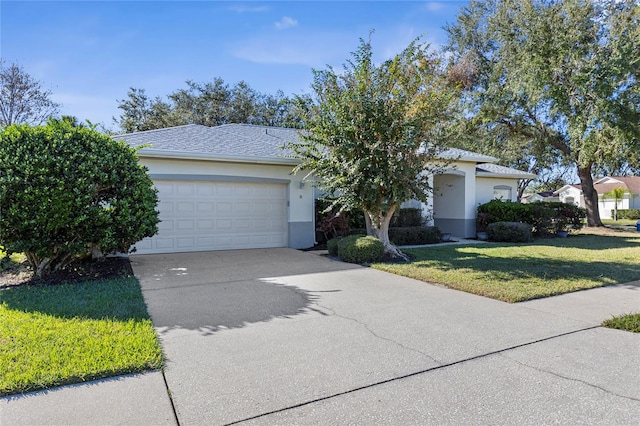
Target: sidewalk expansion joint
(572, 379)
(406, 376)
(173, 405)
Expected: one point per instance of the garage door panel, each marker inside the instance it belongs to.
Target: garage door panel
(186, 189)
(218, 216)
(206, 207)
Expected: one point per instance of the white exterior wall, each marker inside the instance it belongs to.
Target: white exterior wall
(572, 192)
(485, 187)
(606, 205)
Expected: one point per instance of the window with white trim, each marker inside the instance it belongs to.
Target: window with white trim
(502, 192)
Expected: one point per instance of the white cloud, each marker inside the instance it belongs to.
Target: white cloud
(434, 6)
(286, 22)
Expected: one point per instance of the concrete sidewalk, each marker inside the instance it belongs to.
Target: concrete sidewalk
(286, 337)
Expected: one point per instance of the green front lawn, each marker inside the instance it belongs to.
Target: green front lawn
(518, 272)
(52, 335)
(620, 222)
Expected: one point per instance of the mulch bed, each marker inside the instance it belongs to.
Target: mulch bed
(80, 270)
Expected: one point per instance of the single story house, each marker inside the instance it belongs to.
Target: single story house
(572, 194)
(231, 187)
(545, 196)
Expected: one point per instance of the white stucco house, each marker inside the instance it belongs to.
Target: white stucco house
(231, 187)
(545, 196)
(572, 194)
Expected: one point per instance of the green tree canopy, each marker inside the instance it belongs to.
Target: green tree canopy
(553, 80)
(66, 190)
(374, 132)
(209, 104)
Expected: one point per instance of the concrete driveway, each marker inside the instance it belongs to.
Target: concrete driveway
(280, 336)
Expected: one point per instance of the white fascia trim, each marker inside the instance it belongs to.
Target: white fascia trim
(156, 153)
(476, 159)
(505, 175)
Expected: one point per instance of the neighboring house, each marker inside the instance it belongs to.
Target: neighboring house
(231, 187)
(572, 194)
(545, 196)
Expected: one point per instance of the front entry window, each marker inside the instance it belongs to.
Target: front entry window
(502, 192)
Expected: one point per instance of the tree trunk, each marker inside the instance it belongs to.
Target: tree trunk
(590, 196)
(522, 185)
(378, 226)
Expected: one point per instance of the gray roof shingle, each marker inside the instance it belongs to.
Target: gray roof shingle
(229, 140)
(495, 169)
(258, 142)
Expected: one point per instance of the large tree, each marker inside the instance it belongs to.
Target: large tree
(22, 98)
(554, 78)
(374, 133)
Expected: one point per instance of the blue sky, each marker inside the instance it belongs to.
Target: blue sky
(88, 53)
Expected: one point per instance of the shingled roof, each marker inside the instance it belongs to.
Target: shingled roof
(495, 170)
(247, 142)
(226, 141)
(606, 184)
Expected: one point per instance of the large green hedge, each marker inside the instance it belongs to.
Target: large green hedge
(67, 189)
(544, 217)
(632, 214)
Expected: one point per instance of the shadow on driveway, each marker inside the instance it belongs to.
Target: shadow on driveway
(210, 291)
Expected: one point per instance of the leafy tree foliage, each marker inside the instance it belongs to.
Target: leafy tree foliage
(553, 79)
(22, 98)
(209, 104)
(373, 135)
(67, 189)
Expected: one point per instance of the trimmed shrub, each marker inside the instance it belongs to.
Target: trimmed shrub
(360, 249)
(332, 246)
(544, 217)
(406, 217)
(511, 232)
(67, 189)
(414, 235)
(567, 217)
(632, 214)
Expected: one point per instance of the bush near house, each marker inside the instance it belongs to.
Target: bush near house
(331, 223)
(406, 226)
(66, 190)
(633, 214)
(406, 217)
(544, 217)
(332, 246)
(415, 235)
(360, 249)
(509, 232)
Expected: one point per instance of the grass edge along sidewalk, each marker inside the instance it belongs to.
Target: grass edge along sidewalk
(52, 335)
(519, 272)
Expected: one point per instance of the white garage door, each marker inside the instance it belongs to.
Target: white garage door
(199, 216)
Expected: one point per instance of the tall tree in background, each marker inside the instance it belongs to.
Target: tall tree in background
(22, 98)
(553, 79)
(373, 135)
(209, 104)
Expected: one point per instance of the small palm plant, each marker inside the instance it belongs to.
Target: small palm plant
(616, 194)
